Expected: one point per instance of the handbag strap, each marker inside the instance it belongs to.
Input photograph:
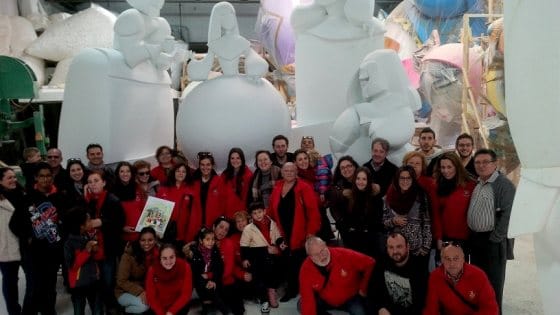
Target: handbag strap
(471, 305)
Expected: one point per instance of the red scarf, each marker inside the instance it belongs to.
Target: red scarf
(401, 202)
(264, 227)
(99, 200)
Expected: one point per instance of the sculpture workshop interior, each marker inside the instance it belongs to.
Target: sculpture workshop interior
(343, 71)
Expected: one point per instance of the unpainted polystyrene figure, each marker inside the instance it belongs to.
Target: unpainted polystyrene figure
(141, 34)
(323, 19)
(533, 98)
(386, 105)
(225, 43)
(121, 97)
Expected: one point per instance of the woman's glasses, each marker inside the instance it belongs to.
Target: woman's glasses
(143, 173)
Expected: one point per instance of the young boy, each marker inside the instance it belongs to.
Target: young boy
(261, 244)
(82, 254)
(31, 157)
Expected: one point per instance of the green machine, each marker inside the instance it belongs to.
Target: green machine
(17, 81)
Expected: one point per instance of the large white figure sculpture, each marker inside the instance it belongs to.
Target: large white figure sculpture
(383, 109)
(225, 43)
(332, 38)
(120, 97)
(231, 109)
(533, 109)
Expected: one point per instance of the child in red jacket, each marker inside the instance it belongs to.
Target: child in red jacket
(82, 253)
(169, 284)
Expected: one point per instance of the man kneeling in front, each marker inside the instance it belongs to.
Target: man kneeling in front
(333, 278)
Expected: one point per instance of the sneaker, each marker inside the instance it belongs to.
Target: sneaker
(265, 308)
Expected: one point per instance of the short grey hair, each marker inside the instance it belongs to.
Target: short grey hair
(313, 240)
(384, 143)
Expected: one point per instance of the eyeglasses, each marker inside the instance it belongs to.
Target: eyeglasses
(52, 157)
(405, 178)
(484, 163)
(143, 173)
(202, 155)
(307, 137)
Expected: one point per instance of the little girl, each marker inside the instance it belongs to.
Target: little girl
(261, 244)
(208, 267)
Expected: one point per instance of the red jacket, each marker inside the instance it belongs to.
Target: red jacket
(238, 270)
(307, 219)
(214, 207)
(474, 286)
(169, 290)
(182, 197)
(450, 213)
(159, 173)
(232, 268)
(349, 273)
(233, 202)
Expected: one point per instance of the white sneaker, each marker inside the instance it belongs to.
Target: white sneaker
(265, 307)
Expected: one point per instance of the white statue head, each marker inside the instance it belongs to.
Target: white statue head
(222, 19)
(148, 7)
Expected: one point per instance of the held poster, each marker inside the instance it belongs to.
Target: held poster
(156, 214)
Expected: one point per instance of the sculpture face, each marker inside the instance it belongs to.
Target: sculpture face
(228, 20)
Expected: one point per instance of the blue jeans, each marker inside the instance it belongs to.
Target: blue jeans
(132, 304)
(10, 270)
(355, 306)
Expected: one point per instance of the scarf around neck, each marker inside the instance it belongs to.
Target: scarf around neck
(401, 202)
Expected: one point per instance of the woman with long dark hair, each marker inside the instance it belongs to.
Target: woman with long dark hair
(341, 187)
(11, 198)
(361, 226)
(178, 189)
(125, 186)
(264, 178)
(209, 201)
(78, 174)
(453, 194)
(236, 180)
(137, 258)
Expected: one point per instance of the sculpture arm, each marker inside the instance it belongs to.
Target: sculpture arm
(129, 39)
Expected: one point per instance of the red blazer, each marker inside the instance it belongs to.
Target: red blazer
(349, 273)
(450, 213)
(214, 207)
(169, 294)
(307, 219)
(474, 286)
(183, 199)
(238, 270)
(233, 202)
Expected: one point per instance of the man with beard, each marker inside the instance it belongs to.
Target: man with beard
(280, 156)
(427, 141)
(400, 282)
(464, 146)
(333, 278)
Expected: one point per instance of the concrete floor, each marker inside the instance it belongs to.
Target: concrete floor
(521, 296)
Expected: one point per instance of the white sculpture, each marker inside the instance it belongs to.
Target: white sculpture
(383, 107)
(16, 34)
(120, 98)
(332, 39)
(63, 40)
(533, 77)
(225, 43)
(232, 108)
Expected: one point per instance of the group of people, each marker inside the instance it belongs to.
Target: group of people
(242, 234)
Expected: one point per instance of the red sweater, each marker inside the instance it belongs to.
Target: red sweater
(349, 273)
(307, 219)
(182, 197)
(450, 213)
(158, 173)
(214, 207)
(474, 286)
(233, 202)
(232, 267)
(169, 290)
